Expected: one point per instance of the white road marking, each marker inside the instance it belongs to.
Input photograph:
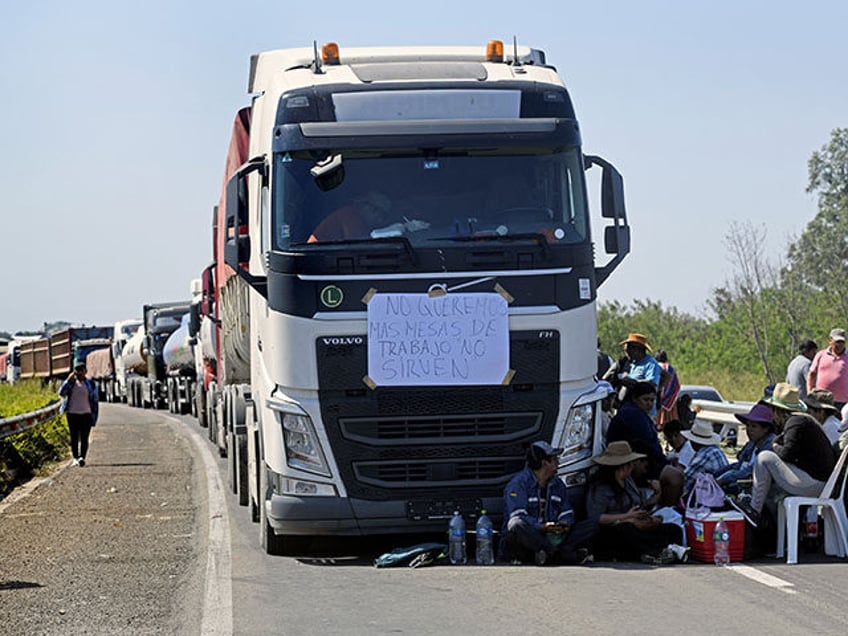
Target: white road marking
(218, 597)
(761, 577)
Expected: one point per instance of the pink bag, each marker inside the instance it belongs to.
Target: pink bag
(705, 496)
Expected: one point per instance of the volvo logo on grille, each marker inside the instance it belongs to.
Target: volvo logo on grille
(346, 340)
(332, 296)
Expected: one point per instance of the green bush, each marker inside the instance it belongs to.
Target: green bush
(25, 454)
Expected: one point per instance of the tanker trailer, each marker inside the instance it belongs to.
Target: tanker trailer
(180, 369)
(134, 361)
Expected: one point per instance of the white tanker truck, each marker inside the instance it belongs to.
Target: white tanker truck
(144, 355)
(180, 369)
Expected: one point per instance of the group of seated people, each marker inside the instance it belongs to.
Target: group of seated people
(635, 504)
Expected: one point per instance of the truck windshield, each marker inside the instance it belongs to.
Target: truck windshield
(431, 196)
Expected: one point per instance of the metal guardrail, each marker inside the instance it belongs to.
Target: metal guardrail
(19, 423)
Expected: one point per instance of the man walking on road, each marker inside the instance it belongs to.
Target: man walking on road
(829, 369)
(799, 368)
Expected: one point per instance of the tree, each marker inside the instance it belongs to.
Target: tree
(749, 302)
(819, 259)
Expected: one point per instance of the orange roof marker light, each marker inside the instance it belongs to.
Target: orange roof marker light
(330, 54)
(494, 51)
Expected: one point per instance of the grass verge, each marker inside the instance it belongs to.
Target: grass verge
(26, 454)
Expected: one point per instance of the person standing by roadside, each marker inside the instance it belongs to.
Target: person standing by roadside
(642, 365)
(668, 391)
(829, 369)
(799, 367)
(81, 404)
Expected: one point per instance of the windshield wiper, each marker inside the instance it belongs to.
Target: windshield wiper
(366, 242)
(536, 237)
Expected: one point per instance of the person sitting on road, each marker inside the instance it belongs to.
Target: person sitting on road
(685, 413)
(539, 524)
(820, 405)
(627, 530)
(800, 460)
(759, 428)
(632, 422)
(709, 458)
(681, 453)
(355, 221)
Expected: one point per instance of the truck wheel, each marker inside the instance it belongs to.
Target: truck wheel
(211, 398)
(232, 475)
(271, 543)
(172, 393)
(191, 392)
(254, 497)
(241, 468)
(200, 405)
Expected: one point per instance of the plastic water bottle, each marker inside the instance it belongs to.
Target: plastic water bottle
(485, 534)
(456, 539)
(721, 540)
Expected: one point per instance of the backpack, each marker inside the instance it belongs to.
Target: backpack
(414, 556)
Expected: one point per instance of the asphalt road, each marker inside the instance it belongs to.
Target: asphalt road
(185, 559)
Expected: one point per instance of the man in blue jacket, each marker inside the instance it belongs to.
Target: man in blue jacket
(81, 404)
(539, 523)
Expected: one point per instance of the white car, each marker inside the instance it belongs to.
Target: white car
(712, 407)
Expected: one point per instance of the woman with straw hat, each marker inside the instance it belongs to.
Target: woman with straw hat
(627, 530)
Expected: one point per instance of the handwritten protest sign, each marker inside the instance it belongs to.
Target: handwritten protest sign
(454, 339)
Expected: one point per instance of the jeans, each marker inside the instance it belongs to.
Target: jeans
(770, 470)
(80, 426)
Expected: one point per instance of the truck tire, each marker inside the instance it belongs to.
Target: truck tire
(211, 399)
(232, 474)
(169, 392)
(240, 453)
(271, 543)
(200, 405)
(254, 497)
(191, 404)
(184, 396)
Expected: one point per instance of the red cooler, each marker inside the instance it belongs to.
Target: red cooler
(699, 534)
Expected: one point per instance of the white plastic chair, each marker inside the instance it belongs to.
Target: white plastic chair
(832, 503)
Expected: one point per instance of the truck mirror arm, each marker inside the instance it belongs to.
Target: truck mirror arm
(237, 223)
(617, 233)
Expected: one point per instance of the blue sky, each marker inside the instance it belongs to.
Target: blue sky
(116, 121)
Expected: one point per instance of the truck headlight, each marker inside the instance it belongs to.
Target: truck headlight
(578, 433)
(302, 448)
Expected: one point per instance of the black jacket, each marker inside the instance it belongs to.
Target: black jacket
(804, 444)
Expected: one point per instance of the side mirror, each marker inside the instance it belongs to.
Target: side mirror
(617, 234)
(194, 320)
(328, 173)
(237, 223)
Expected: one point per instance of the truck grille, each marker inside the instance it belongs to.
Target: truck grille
(439, 429)
(429, 443)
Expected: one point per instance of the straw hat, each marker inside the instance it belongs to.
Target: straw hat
(786, 397)
(702, 433)
(636, 338)
(616, 454)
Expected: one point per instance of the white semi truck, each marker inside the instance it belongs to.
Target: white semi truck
(400, 364)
